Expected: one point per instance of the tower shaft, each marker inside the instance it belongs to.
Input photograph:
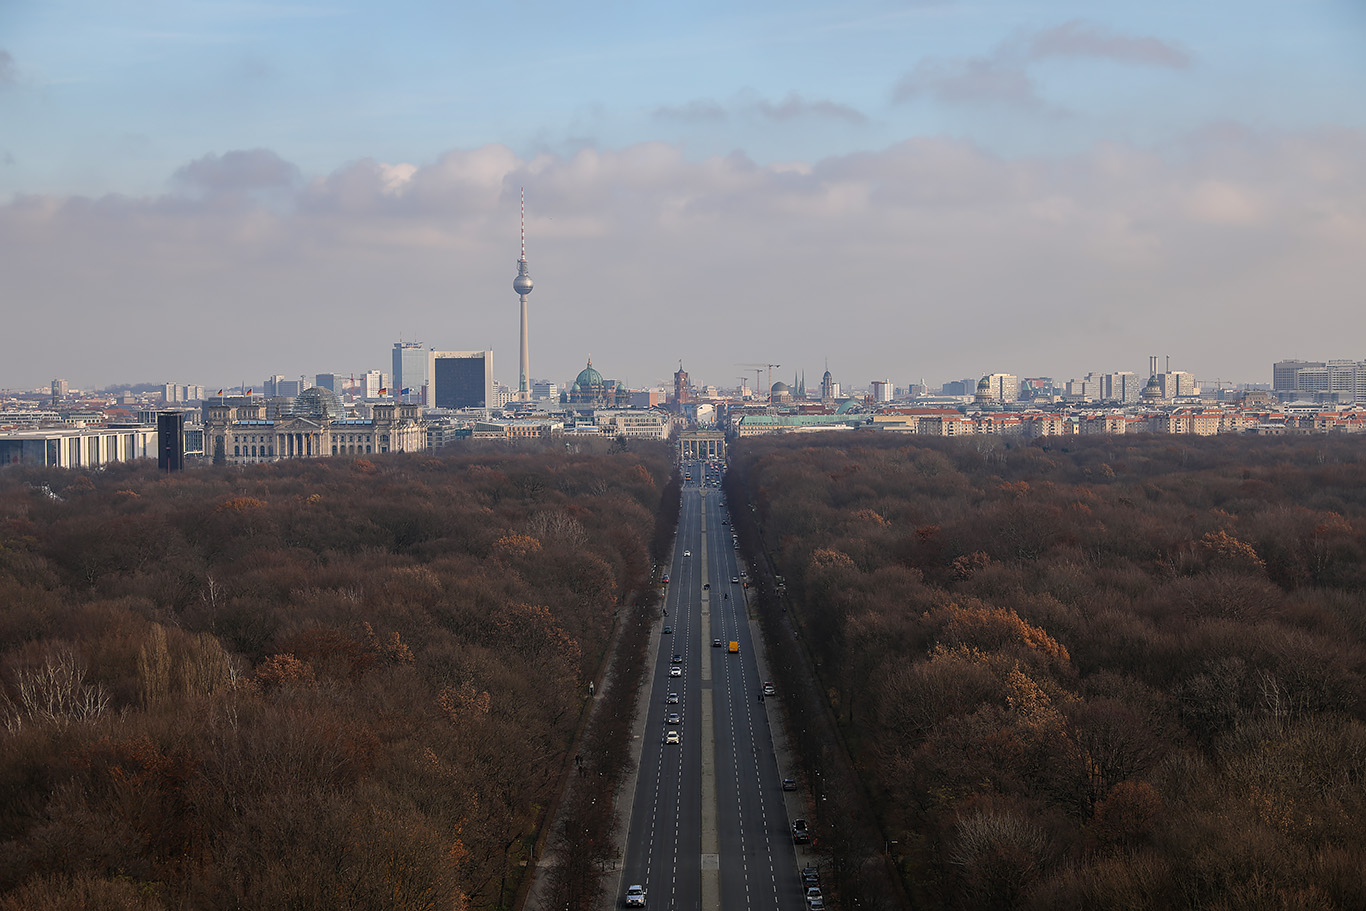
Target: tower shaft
(524, 381)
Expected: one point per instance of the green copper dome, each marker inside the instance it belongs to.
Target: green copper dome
(588, 378)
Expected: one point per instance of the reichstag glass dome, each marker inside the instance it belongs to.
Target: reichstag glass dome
(318, 403)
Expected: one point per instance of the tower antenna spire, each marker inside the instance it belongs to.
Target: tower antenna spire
(523, 224)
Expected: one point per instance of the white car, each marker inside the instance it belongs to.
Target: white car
(672, 737)
(687, 553)
(635, 896)
(675, 671)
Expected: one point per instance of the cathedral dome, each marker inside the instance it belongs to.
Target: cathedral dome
(588, 378)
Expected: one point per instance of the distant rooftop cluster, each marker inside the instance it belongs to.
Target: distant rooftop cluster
(438, 398)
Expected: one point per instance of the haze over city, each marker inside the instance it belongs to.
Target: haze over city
(213, 192)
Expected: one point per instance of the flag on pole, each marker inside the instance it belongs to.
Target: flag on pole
(383, 391)
(220, 393)
(250, 391)
(406, 390)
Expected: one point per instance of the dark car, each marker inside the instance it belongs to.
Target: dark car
(810, 877)
(677, 659)
(800, 833)
(716, 643)
(668, 629)
(789, 784)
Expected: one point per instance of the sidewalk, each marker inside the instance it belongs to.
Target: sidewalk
(536, 897)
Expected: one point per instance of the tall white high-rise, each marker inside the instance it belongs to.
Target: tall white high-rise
(522, 284)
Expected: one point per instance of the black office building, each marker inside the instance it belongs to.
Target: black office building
(171, 440)
(460, 379)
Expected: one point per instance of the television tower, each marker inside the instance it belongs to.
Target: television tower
(522, 284)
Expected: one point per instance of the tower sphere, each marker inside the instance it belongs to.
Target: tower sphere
(522, 284)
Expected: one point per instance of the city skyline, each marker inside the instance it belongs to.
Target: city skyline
(195, 191)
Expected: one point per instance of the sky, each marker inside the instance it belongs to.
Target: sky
(216, 191)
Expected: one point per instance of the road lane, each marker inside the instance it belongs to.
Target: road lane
(708, 826)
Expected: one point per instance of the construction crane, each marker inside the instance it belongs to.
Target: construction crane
(756, 368)
(743, 380)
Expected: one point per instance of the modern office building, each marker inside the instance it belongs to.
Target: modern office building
(1284, 374)
(78, 447)
(998, 387)
(279, 387)
(171, 440)
(410, 372)
(460, 379)
(374, 385)
(1338, 380)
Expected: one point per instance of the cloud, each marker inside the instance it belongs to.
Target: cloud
(1004, 77)
(239, 171)
(1083, 39)
(692, 112)
(931, 257)
(790, 109)
(9, 73)
(6, 157)
(999, 79)
(794, 107)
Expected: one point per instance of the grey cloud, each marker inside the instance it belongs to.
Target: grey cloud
(9, 73)
(794, 107)
(906, 238)
(693, 112)
(1003, 76)
(791, 108)
(6, 157)
(239, 171)
(996, 79)
(1084, 39)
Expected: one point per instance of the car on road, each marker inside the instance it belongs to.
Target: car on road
(668, 630)
(789, 784)
(671, 699)
(676, 659)
(734, 580)
(815, 904)
(813, 894)
(687, 553)
(800, 833)
(810, 876)
(716, 643)
(672, 718)
(672, 737)
(664, 579)
(635, 896)
(675, 671)
(769, 690)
